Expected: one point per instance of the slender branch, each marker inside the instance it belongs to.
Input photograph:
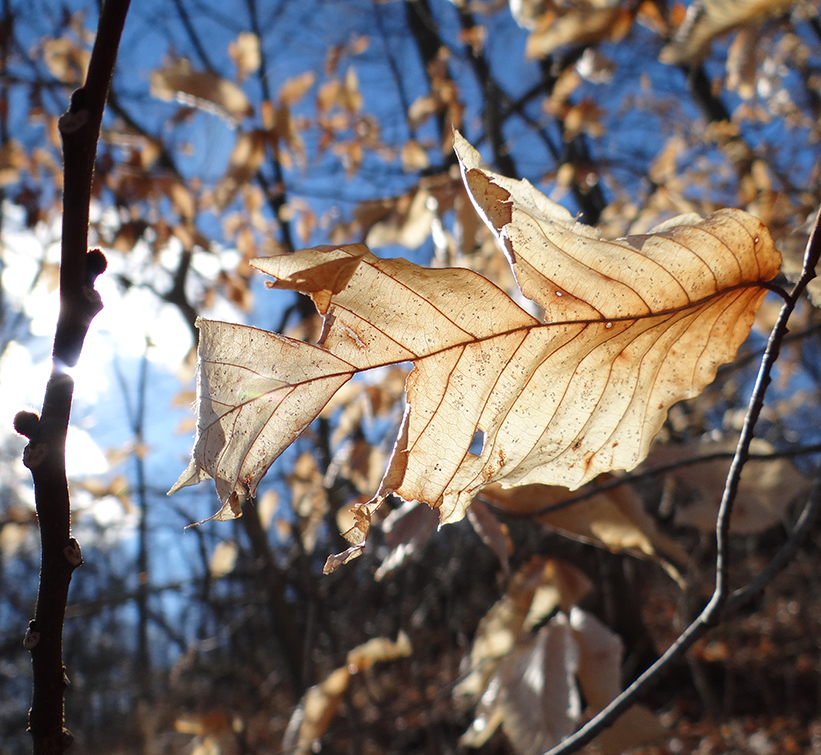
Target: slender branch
(45, 453)
(492, 94)
(194, 38)
(714, 609)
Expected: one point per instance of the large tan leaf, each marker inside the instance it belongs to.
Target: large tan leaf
(630, 327)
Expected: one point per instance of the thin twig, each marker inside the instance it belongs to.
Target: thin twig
(712, 613)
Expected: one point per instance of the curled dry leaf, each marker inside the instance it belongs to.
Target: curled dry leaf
(630, 327)
(246, 158)
(615, 520)
(707, 19)
(201, 89)
(494, 534)
(245, 52)
(580, 25)
(66, 60)
(533, 688)
(765, 492)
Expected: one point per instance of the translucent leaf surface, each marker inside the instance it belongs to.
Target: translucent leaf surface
(630, 327)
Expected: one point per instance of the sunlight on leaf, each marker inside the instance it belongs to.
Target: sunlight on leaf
(630, 327)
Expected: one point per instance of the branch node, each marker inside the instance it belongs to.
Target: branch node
(96, 263)
(93, 297)
(73, 553)
(27, 424)
(32, 636)
(34, 454)
(71, 123)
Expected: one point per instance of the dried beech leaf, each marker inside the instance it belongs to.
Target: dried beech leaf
(707, 19)
(535, 591)
(245, 52)
(295, 88)
(599, 673)
(309, 498)
(223, 559)
(766, 490)
(246, 159)
(66, 60)
(378, 650)
(320, 703)
(578, 26)
(494, 534)
(533, 693)
(631, 327)
(405, 530)
(615, 520)
(200, 89)
(742, 63)
(501, 628)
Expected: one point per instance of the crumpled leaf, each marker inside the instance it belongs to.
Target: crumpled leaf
(533, 694)
(630, 327)
(201, 89)
(615, 520)
(578, 25)
(533, 691)
(535, 591)
(319, 704)
(707, 19)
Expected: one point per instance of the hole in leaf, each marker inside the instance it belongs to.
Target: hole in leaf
(477, 443)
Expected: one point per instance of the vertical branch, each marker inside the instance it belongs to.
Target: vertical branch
(45, 453)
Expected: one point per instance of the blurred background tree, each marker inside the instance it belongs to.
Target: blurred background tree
(253, 127)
